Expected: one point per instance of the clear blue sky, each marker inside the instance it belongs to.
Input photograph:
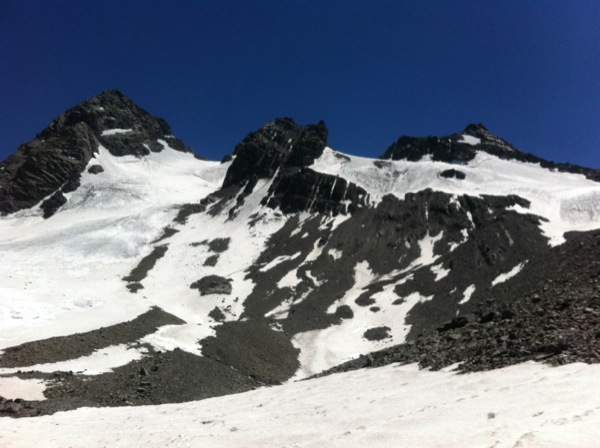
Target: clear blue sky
(373, 70)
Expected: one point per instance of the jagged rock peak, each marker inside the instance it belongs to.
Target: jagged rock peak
(460, 147)
(463, 147)
(278, 143)
(477, 130)
(52, 163)
(121, 126)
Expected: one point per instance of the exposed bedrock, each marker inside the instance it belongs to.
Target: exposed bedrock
(58, 155)
(550, 313)
(456, 148)
(399, 241)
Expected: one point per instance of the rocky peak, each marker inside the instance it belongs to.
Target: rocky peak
(120, 125)
(463, 147)
(279, 143)
(283, 150)
(52, 163)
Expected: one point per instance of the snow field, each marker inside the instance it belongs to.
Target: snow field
(183, 264)
(570, 202)
(526, 405)
(54, 271)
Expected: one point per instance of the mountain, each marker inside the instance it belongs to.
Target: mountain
(134, 272)
(51, 165)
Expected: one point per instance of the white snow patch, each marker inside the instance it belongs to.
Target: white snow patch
(426, 256)
(524, 405)
(335, 253)
(13, 388)
(467, 294)
(64, 276)
(100, 361)
(510, 274)
(184, 337)
(469, 140)
(439, 271)
(115, 131)
(278, 260)
(323, 349)
(289, 280)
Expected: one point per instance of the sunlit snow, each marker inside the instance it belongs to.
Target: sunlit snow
(527, 405)
(469, 140)
(115, 131)
(510, 274)
(569, 202)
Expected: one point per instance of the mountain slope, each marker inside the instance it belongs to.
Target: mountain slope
(171, 278)
(51, 165)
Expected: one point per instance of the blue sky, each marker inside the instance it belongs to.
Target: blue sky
(216, 70)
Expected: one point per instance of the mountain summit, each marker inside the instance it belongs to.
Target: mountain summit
(51, 165)
(162, 278)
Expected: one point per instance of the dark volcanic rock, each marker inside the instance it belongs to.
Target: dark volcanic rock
(284, 150)
(307, 190)
(170, 377)
(212, 284)
(58, 155)
(146, 264)
(217, 314)
(556, 322)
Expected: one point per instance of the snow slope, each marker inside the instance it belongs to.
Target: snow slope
(64, 275)
(527, 405)
(569, 202)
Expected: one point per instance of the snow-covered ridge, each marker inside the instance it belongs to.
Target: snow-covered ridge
(569, 202)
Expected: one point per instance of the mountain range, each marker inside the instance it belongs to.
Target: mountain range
(135, 272)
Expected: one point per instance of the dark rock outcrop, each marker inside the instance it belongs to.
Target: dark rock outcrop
(283, 151)
(449, 174)
(455, 148)
(58, 155)
(95, 169)
(212, 284)
(53, 203)
(278, 143)
(551, 313)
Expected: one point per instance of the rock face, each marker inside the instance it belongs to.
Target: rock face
(552, 314)
(55, 159)
(283, 150)
(212, 284)
(462, 147)
(280, 143)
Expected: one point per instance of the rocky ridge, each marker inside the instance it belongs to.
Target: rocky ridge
(49, 166)
(462, 147)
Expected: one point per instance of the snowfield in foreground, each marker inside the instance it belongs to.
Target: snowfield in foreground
(527, 405)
